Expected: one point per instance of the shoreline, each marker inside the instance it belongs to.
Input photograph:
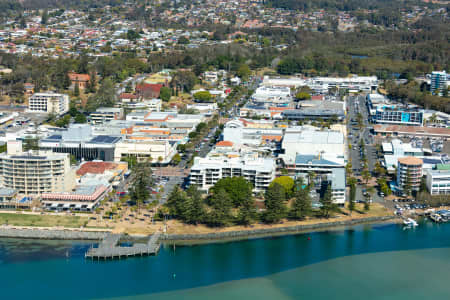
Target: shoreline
(191, 239)
(217, 237)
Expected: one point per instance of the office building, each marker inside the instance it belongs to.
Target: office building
(392, 114)
(78, 140)
(155, 151)
(35, 172)
(51, 103)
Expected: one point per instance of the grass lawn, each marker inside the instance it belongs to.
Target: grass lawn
(42, 220)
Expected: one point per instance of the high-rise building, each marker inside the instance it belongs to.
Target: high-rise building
(438, 82)
(409, 172)
(35, 172)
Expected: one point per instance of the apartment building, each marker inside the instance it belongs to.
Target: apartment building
(51, 103)
(438, 182)
(106, 114)
(207, 171)
(409, 171)
(438, 82)
(37, 172)
(337, 181)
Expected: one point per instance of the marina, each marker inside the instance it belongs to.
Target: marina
(109, 248)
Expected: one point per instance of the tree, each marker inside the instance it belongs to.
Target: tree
(76, 90)
(203, 96)
(44, 17)
(176, 159)
(303, 96)
(247, 211)
(274, 202)
(327, 203)
(302, 203)
(183, 40)
(244, 72)
(351, 203)
(80, 118)
(286, 182)
(370, 191)
(239, 189)
(194, 211)
(220, 214)
(105, 96)
(164, 94)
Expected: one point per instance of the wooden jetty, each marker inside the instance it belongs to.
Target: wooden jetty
(109, 248)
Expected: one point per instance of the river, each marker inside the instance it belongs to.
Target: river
(362, 262)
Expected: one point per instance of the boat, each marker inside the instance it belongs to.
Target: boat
(436, 218)
(410, 222)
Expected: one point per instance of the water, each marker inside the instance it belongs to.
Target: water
(364, 262)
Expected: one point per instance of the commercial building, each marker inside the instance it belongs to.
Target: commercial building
(323, 84)
(51, 103)
(7, 197)
(207, 171)
(313, 110)
(84, 198)
(78, 140)
(154, 151)
(36, 172)
(411, 131)
(409, 172)
(247, 132)
(438, 82)
(392, 114)
(438, 182)
(106, 114)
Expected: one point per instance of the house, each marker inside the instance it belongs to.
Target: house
(82, 80)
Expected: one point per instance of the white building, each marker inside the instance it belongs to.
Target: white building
(275, 95)
(438, 82)
(438, 181)
(313, 142)
(207, 171)
(51, 103)
(337, 180)
(35, 172)
(246, 132)
(106, 114)
(145, 150)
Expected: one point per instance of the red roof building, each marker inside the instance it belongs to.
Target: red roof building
(148, 90)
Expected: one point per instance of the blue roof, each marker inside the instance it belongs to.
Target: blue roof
(55, 137)
(25, 199)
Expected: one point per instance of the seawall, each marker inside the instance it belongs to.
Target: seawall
(242, 234)
(51, 234)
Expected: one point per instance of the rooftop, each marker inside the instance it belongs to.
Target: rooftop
(410, 160)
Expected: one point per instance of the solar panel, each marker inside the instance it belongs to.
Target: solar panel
(105, 139)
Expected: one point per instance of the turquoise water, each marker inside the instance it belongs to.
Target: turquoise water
(364, 262)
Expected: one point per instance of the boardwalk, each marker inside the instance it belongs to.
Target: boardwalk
(109, 248)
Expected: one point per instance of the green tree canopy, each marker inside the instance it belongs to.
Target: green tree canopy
(203, 96)
(274, 200)
(165, 94)
(239, 189)
(303, 96)
(286, 182)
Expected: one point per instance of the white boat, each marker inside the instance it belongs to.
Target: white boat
(410, 222)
